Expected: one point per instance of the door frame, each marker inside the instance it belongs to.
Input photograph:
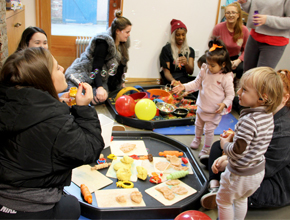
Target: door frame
(63, 47)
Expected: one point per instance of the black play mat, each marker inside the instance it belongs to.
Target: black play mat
(142, 124)
(154, 209)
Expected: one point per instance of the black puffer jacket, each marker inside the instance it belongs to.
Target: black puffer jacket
(41, 142)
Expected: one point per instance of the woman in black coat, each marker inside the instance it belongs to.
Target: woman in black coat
(42, 139)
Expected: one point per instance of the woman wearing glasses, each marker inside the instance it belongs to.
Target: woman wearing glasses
(235, 35)
(270, 24)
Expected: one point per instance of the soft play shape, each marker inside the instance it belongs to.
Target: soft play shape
(145, 109)
(125, 106)
(192, 215)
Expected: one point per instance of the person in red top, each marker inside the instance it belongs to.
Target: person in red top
(234, 35)
(270, 31)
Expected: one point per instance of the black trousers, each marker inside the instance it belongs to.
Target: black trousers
(215, 152)
(67, 208)
(240, 68)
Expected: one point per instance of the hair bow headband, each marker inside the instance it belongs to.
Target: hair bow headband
(214, 46)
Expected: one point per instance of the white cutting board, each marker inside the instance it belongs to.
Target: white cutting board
(159, 196)
(112, 173)
(93, 179)
(107, 198)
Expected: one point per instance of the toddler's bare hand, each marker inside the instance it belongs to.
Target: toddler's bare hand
(221, 108)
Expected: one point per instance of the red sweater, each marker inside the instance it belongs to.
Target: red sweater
(226, 36)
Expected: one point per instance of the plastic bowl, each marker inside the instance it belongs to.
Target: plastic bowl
(160, 94)
(180, 112)
(138, 96)
(165, 108)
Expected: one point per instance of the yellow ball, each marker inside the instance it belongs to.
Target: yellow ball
(145, 109)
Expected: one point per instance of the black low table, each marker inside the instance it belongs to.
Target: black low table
(154, 209)
(142, 124)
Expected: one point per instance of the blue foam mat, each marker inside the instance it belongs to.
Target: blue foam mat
(228, 121)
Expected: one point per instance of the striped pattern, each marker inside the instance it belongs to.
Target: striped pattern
(255, 127)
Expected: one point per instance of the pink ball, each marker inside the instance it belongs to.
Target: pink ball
(125, 106)
(192, 215)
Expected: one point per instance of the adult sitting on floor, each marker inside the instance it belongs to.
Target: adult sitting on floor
(42, 139)
(104, 63)
(274, 190)
(177, 58)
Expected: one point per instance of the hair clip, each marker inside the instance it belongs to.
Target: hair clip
(214, 46)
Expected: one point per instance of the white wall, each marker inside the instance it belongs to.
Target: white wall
(30, 18)
(151, 30)
(284, 63)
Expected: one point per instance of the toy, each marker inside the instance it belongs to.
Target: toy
(86, 194)
(101, 166)
(101, 160)
(170, 152)
(125, 184)
(145, 109)
(135, 157)
(177, 175)
(143, 157)
(112, 157)
(150, 157)
(125, 106)
(227, 133)
(125, 90)
(155, 178)
(184, 160)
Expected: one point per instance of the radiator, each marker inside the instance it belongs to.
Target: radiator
(81, 45)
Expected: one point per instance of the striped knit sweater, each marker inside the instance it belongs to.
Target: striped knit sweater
(253, 133)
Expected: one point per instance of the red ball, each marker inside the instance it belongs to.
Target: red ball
(192, 215)
(125, 105)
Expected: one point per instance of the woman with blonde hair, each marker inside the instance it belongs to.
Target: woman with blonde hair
(177, 58)
(235, 35)
(104, 62)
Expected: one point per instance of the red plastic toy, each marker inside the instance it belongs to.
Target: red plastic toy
(184, 160)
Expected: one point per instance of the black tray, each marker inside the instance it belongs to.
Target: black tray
(154, 209)
(142, 124)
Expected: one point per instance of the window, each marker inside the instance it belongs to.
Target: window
(79, 17)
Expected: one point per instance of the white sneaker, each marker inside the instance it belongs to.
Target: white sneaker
(195, 143)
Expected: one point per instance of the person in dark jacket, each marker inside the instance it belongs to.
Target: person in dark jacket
(274, 190)
(104, 62)
(42, 139)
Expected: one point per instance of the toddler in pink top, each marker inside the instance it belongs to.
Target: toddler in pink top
(216, 93)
